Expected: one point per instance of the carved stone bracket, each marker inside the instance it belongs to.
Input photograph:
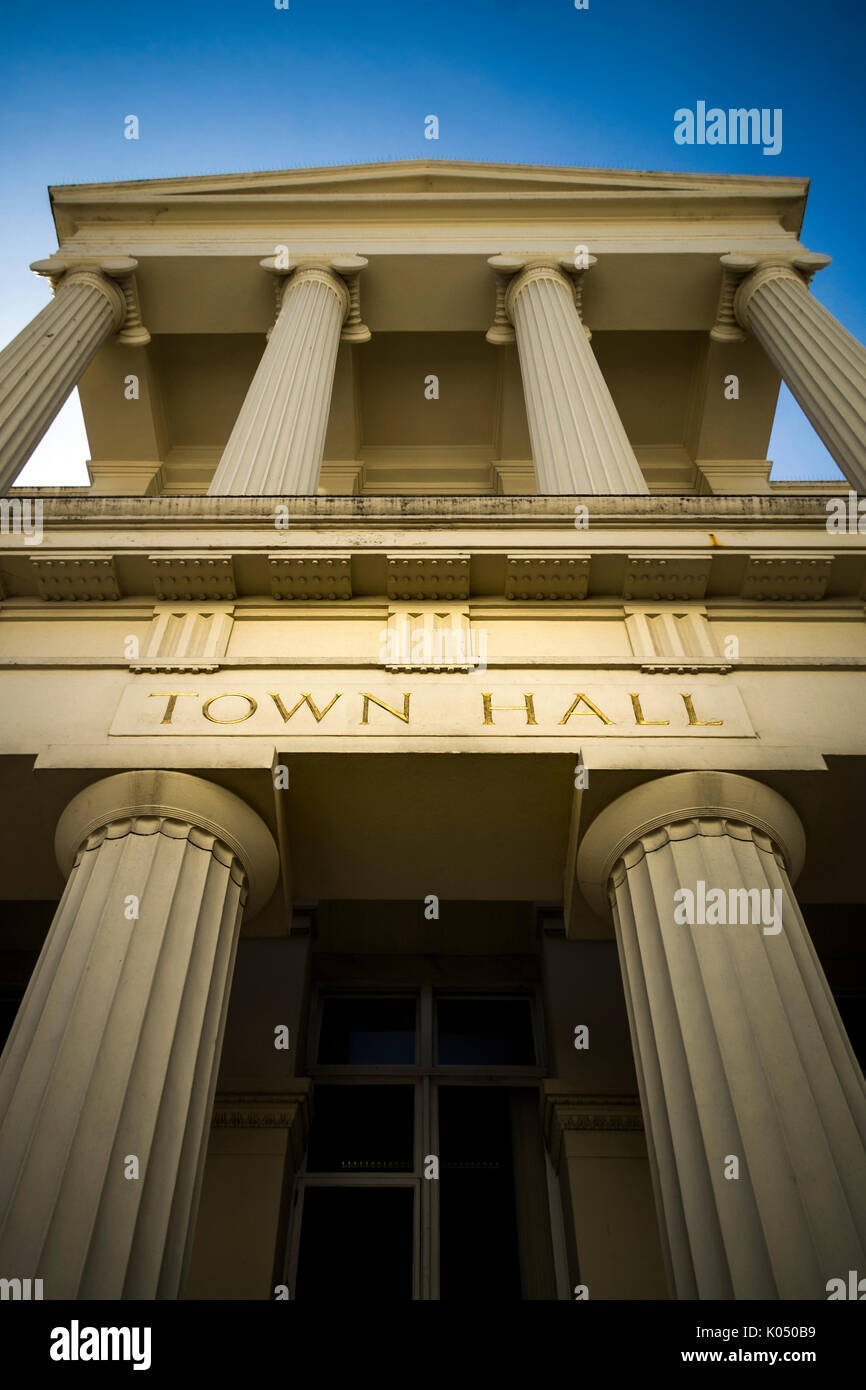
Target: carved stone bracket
(792, 576)
(726, 329)
(350, 267)
(80, 575)
(194, 575)
(419, 574)
(311, 574)
(501, 332)
(552, 575)
(666, 575)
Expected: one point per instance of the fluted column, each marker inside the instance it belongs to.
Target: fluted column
(39, 368)
(578, 441)
(108, 1076)
(739, 1047)
(820, 361)
(278, 440)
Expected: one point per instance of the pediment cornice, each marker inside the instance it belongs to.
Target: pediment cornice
(425, 179)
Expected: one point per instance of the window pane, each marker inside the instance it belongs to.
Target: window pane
(479, 1257)
(359, 1234)
(364, 1032)
(10, 1003)
(852, 1008)
(362, 1129)
(484, 1032)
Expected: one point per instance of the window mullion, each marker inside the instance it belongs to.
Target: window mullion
(425, 1027)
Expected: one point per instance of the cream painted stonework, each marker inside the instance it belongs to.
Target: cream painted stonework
(434, 709)
(426, 562)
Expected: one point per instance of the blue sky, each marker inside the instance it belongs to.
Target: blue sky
(220, 87)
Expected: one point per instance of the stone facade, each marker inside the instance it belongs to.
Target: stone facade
(389, 465)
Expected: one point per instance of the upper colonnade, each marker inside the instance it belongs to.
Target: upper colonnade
(375, 374)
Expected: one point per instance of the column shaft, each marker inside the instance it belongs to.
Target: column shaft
(113, 1055)
(39, 368)
(278, 440)
(741, 1054)
(820, 361)
(578, 441)
(108, 1077)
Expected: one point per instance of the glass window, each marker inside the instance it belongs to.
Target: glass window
(10, 1003)
(367, 1032)
(362, 1129)
(484, 1032)
(479, 1256)
(356, 1241)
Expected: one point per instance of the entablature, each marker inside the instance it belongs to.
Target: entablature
(538, 550)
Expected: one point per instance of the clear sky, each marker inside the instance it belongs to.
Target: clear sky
(220, 87)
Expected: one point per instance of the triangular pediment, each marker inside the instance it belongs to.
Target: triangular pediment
(429, 178)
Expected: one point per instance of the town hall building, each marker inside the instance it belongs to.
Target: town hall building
(432, 745)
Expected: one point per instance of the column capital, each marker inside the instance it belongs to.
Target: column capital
(113, 277)
(349, 269)
(501, 331)
(514, 273)
(341, 275)
(684, 796)
(743, 274)
(178, 797)
(797, 268)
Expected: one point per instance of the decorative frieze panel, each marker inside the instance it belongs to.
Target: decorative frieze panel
(311, 574)
(82, 575)
(667, 575)
(287, 1110)
(531, 575)
(427, 639)
(262, 1109)
(786, 576)
(207, 574)
(671, 641)
(187, 638)
(422, 575)
(564, 1112)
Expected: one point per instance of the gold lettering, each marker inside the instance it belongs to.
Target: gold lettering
(591, 709)
(693, 718)
(528, 706)
(229, 695)
(371, 699)
(638, 713)
(318, 714)
(173, 696)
